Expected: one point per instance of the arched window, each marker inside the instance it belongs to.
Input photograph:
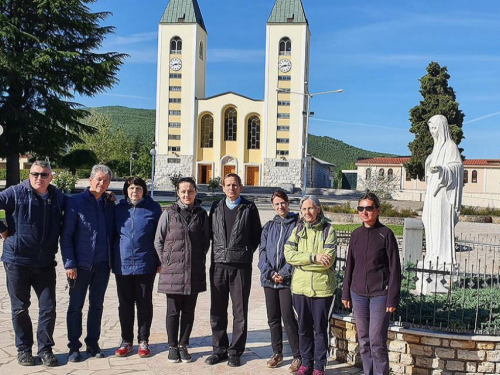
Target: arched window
(207, 132)
(253, 140)
(201, 51)
(176, 45)
(230, 124)
(368, 173)
(381, 172)
(285, 46)
(390, 173)
(466, 177)
(474, 177)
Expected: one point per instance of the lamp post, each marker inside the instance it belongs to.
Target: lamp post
(309, 96)
(132, 161)
(153, 154)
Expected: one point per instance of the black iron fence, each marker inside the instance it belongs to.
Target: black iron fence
(460, 298)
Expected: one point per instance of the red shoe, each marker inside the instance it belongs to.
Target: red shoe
(125, 349)
(144, 349)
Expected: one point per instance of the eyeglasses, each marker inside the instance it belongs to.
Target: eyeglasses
(367, 208)
(42, 175)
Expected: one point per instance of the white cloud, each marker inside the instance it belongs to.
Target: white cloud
(232, 55)
(129, 96)
(133, 39)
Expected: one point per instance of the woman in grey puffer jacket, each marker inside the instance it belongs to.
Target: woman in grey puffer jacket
(182, 241)
(276, 276)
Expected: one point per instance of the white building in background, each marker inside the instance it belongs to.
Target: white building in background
(481, 179)
(262, 140)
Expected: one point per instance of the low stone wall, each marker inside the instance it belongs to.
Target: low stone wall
(420, 352)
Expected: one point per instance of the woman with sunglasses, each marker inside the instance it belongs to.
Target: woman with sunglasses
(182, 241)
(276, 276)
(135, 264)
(372, 284)
(311, 249)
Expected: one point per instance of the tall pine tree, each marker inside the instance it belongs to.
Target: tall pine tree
(438, 99)
(49, 50)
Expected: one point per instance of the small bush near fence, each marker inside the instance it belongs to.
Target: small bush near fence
(479, 211)
(386, 210)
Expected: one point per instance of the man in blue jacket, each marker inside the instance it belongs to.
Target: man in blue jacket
(85, 248)
(33, 213)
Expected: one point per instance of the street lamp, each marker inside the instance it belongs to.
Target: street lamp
(308, 96)
(153, 154)
(132, 161)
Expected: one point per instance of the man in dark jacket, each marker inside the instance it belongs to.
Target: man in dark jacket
(33, 212)
(236, 230)
(85, 248)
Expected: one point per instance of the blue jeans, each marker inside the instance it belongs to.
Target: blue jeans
(20, 280)
(372, 322)
(95, 281)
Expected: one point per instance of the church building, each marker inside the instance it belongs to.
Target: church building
(262, 140)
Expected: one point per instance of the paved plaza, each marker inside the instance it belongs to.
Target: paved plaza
(254, 359)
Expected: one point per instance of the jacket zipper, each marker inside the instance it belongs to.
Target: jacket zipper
(366, 261)
(278, 252)
(43, 227)
(312, 273)
(132, 241)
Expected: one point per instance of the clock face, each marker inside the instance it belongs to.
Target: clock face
(285, 65)
(175, 64)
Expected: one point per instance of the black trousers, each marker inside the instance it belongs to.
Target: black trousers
(20, 280)
(135, 290)
(225, 282)
(313, 314)
(279, 306)
(180, 308)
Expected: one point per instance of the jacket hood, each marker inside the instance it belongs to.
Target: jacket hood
(290, 217)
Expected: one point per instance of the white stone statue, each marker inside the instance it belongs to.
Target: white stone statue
(444, 177)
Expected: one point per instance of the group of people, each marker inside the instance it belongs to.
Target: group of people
(136, 240)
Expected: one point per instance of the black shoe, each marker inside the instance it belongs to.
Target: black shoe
(25, 359)
(49, 359)
(185, 356)
(95, 351)
(216, 358)
(74, 356)
(234, 361)
(173, 354)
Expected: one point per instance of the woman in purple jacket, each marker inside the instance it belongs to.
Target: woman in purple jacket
(276, 276)
(372, 284)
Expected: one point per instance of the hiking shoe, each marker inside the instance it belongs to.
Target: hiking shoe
(173, 354)
(233, 361)
(215, 358)
(303, 370)
(275, 361)
(296, 363)
(49, 359)
(144, 349)
(25, 359)
(318, 372)
(185, 356)
(95, 351)
(125, 349)
(74, 356)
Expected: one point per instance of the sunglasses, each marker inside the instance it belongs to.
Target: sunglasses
(42, 175)
(367, 208)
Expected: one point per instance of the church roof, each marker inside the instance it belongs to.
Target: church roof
(183, 11)
(233, 93)
(288, 11)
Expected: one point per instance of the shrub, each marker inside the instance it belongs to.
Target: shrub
(65, 181)
(480, 211)
(340, 208)
(174, 178)
(214, 183)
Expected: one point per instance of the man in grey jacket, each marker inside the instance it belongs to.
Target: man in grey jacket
(236, 231)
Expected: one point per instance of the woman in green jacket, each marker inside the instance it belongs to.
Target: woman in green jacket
(311, 249)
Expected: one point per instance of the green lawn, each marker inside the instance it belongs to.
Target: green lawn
(397, 229)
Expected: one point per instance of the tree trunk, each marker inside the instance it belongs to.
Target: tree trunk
(12, 170)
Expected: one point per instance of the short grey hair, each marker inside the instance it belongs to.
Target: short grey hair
(41, 163)
(101, 168)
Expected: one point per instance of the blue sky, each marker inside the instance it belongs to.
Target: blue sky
(375, 50)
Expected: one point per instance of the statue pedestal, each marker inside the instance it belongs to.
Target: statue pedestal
(432, 280)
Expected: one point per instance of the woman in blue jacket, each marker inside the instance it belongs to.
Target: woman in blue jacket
(276, 276)
(135, 263)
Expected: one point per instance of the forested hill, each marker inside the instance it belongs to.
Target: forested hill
(140, 123)
(337, 152)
